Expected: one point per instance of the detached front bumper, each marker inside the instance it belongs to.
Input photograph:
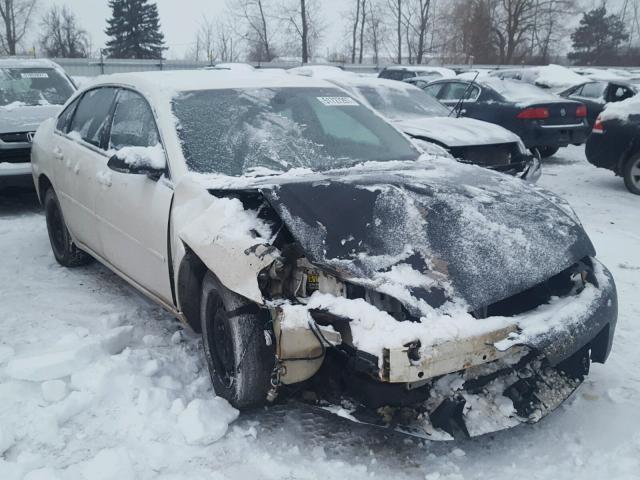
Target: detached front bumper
(555, 332)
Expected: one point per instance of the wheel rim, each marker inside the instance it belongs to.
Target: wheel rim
(56, 228)
(222, 353)
(635, 173)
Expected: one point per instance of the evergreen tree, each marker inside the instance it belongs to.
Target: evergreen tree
(597, 39)
(134, 28)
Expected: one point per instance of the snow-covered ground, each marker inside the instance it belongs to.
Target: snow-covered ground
(98, 383)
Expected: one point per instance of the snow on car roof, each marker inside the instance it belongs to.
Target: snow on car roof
(445, 72)
(621, 110)
(169, 84)
(517, 91)
(350, 79)
(13, 62)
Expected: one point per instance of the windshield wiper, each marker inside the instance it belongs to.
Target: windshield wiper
(458, 106)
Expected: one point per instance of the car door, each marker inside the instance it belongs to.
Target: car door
(81, 154)
(133, 209)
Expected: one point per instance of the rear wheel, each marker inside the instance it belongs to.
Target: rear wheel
(546, 152)
(631, 174)
(65, 251)
(240, 356)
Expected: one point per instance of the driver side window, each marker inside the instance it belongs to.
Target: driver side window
(133, 123)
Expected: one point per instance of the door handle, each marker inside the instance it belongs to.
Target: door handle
(57, 153)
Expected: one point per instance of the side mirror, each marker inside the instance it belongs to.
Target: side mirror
(134, 161)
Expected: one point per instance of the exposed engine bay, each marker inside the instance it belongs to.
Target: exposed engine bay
(390, 322)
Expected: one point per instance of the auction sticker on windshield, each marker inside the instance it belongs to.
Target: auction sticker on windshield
(337, 101)
(34, 75)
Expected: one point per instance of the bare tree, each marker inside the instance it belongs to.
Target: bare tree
(356, 21)
(376, 31)
(15, 16)
(62, 36)
(513, 22)
(258, 36)
(363, 22)
(395, 8)
(227, 44)
(416, 27)
(302, 27)
(206, 40)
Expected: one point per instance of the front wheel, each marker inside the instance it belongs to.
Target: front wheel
(238, 345)
(65, 251)
(631, 174)
(546, 152)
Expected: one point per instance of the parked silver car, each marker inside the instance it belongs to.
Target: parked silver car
(30, 92)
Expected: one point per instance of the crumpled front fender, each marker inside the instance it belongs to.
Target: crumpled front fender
(212, 227)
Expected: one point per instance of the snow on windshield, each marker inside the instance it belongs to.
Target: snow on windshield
(33, 86)
(236, 131)
(398, 103)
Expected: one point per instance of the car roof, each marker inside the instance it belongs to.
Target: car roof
(349, 79)
(172, 82)
(420, 68)
(16, 62)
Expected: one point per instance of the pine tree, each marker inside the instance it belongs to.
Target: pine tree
(597, 39)
(134, 28)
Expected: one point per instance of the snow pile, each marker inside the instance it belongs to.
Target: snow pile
(555, 77)
(206, 421)
(621, 110)
(143, 157)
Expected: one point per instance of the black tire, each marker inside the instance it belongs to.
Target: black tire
(65, 251)
(546, 152)
(233, 333)
(631, 174)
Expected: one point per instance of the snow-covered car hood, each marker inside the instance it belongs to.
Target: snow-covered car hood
(456, 132)
(20, 118)
(428, 231)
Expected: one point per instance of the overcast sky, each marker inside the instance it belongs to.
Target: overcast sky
(180, 20)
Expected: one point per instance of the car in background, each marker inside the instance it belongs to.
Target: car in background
(30, 92)
(544, 122)
(615, 142)
(307, 238)
(596, 94)
(550, 77)
(402, 73)
(424, 119)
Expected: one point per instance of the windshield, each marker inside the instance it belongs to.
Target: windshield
(236, 131)
(33, 86)
(398, 104)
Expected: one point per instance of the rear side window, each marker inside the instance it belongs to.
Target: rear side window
(65, 117)
(457, 90)
(92, 115)
(434, 90)
(593, 90)
(133, 123)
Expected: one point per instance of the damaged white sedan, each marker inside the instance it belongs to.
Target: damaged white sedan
(318, 251)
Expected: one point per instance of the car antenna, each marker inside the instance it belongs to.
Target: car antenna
(458, 106)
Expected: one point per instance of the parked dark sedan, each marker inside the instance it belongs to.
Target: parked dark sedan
(544, 122)
(595, 95)
(615, 143)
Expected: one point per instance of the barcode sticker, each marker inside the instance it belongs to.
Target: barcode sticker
(34, 75)
(338, 101)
